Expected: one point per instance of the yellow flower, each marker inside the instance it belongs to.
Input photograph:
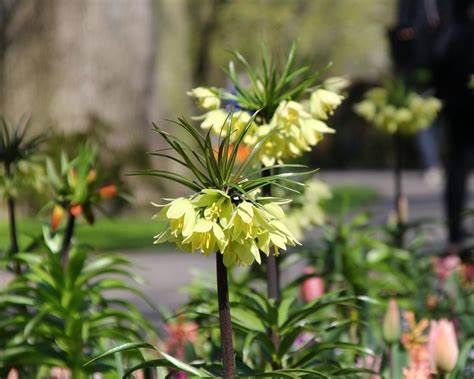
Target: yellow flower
(366, 109)
(323, 103)
(206, 98)
(297, 132)
(214, 120)
(336, 84)
(213, 221)
(207, 237)
(181, 217)
(377, 95)
(417, 112)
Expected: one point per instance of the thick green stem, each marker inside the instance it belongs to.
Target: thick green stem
(68, 233)
(227, 342)
(391, 360)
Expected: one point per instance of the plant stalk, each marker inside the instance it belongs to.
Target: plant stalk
(14, 248)
(398, 186)
(227, 342)
(391, 361)
(273, 271)
(68, 233)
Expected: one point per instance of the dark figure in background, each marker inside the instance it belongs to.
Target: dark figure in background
(436, 36)
(419, 24)
(453, 77)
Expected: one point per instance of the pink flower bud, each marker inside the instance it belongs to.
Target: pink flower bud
(392, 324)
(13, 374)
(311, 288)
(443, 346)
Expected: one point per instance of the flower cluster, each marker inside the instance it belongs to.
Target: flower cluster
(213, 221)
(75, 186)
(293, 128)
(306, 210)
(433, 352)
(406, 117)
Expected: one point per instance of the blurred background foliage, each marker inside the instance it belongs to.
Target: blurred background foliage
(104, 70)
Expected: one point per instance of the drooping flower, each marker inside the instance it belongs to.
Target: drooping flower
(305, 211)
(206, 98)
(323, 103)
(293, 123)
(396, 110)
(211, 221)
(336, 84)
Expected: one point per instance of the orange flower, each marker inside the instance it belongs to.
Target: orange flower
(108, 191)
(416, 373)
(56, 216)
(243, 152)
(415, 336)
(76, 210)
(91, 176)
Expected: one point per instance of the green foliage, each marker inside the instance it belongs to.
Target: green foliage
(217, 167)
(270, 84)
(20, 162)
(310, 340)
(66, 316)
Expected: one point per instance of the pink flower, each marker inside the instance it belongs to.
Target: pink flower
(60, 373)
(311, 288)
(180, 333)
(13, 374)
(443, 346)
(444, 267)
(303, 339)
(416, 373)
(370, 362)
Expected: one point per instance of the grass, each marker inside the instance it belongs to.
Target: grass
(105, 234)
(137, 233)
(350, 198)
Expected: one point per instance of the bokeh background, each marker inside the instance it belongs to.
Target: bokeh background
(104, 70)
(108, 68)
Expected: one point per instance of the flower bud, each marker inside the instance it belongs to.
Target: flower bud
(108, 191)
(443, 346)
(13, 374)
(392, 325)
(311, 288)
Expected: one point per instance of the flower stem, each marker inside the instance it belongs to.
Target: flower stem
(391, 361)
(273, 271)
(398, 186)
(224, 318)
(14, 248)
(68, 233)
